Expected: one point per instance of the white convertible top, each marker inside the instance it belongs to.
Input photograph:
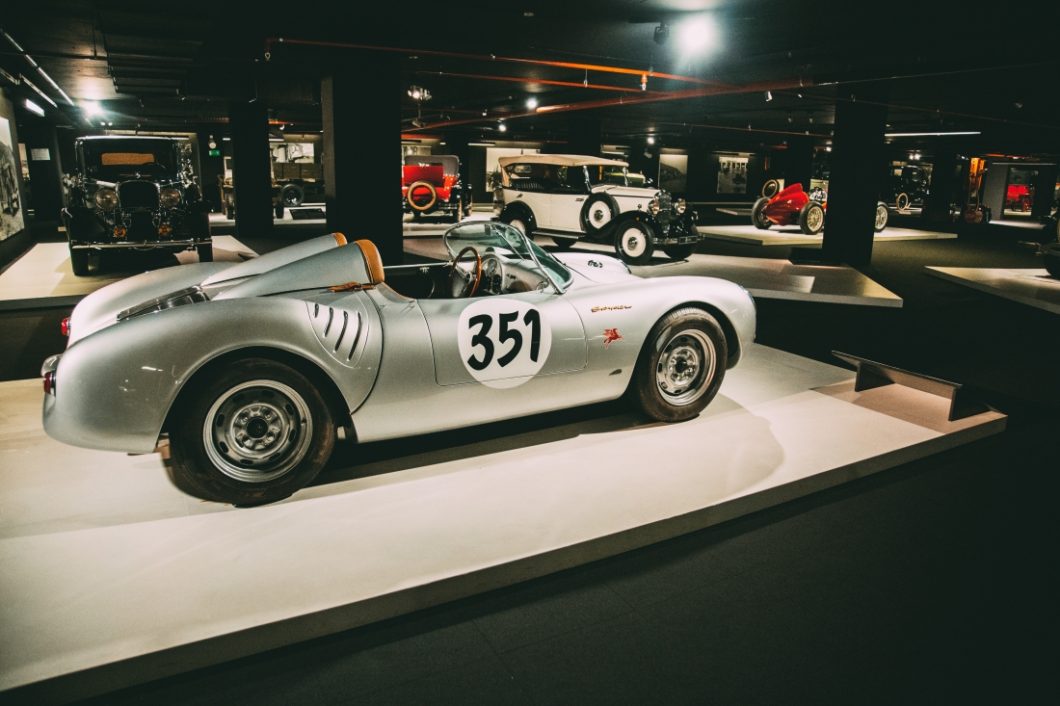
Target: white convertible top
(564, 160)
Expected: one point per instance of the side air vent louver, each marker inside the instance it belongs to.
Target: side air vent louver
(339, 330)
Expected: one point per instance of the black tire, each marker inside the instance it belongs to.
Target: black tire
(205, 252)
(1051, 257)
(634, 242)
(679, 252)
(811, 218)
(902, 201)
(883, 214)
(467, 207)
(598, 215)
(421, 206)
(292, 195)
(277, 210)
(79, 262)
(521, 218)
(279, 398)
(230, 212)
(758, 218)
(770, 188)
(683, 339)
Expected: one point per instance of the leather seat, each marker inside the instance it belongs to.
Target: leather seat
(373, 261)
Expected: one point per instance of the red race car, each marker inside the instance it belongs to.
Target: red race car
(431, 184)
(793, 206)
(1019, 197)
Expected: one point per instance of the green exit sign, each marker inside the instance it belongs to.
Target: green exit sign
(215, 153)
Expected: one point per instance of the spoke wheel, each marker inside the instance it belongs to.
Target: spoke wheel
(881, 217)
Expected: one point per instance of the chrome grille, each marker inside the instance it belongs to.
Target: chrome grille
(138, 194)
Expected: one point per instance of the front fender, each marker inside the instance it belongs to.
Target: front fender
(115, 388)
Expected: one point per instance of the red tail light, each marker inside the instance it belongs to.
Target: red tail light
(49, 383)
(64, 327)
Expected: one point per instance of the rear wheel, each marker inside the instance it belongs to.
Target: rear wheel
(79, 261)
(902, 201)
(758, 216)
(634, 242)
(254, 432)
(277, 210)
(882, 214)
(292, 195)
(681, 366)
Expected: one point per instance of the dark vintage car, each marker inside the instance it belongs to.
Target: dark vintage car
(431, 184)
(133, 193)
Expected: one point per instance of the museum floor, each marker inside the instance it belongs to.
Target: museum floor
(933, 582)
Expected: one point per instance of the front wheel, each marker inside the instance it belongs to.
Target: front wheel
(634, 243)
(811, 218)
(681, 366)
(679, 252)
(254, 432)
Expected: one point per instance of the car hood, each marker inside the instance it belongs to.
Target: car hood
(635, 192)
(600, 269)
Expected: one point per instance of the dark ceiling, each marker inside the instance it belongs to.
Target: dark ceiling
(988, 67)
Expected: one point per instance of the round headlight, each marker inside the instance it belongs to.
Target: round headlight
(653, 206)
(681, 206)
(169, 197)
(107, 199)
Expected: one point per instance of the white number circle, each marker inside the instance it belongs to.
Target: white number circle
(503, 343)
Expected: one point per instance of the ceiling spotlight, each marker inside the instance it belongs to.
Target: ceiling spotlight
(651, 139)
(769, 96)
(696, 35)
(34, 108)
(91, 109)
(531, 103)
(484, 112)
(502, 127)
(828, 148)
(419, 94)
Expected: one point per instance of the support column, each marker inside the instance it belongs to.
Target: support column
(798, 162)
(362, 149)
(943, 187)
(251, 173)
(1044, 188)
(854, 185)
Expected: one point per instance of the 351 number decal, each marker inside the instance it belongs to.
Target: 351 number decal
(503, 343)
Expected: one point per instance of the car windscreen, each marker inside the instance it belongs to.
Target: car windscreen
(492, 236)
(606, 174)
(112, 160)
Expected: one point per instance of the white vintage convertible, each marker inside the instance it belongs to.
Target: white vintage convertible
(251, 369)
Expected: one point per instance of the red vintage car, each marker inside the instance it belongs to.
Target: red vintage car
(793, 206)
(1019, 197)
(431, 184)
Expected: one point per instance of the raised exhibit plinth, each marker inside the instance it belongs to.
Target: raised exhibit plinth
(42, 277)
(793, 235)
(112, 577)
(1033, 287)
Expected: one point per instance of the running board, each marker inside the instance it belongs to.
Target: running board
(559, 234)
(871, 374)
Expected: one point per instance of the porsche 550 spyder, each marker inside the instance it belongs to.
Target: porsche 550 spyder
(250, 370)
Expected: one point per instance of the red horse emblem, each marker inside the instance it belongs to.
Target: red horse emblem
(610, 336)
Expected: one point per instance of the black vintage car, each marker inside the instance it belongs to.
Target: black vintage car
(133, 193)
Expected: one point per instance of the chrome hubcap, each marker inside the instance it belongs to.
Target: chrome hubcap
(633, 242)
(257, 431)
(687, 364)
(881, 217)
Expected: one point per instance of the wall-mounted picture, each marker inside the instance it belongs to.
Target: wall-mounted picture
(11, 220)
(673, 173)
(732, 174)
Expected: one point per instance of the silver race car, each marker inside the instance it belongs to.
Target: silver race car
(251, 369)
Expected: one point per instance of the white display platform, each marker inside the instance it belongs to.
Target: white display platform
(112, 577)
(1033, 287)
(42, 277)
(433, 227)
(793, 235)
(763, 278)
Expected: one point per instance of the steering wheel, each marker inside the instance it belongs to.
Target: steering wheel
(465, 284)
(493, 273)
